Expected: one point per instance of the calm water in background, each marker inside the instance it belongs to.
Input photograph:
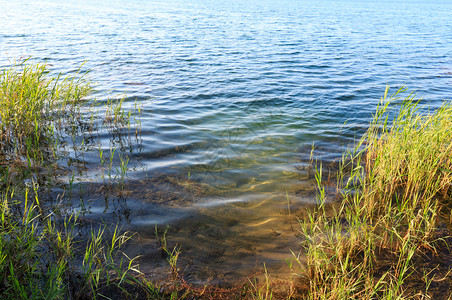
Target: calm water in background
(233, 94)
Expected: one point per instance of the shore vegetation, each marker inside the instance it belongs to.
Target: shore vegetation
(387, 237)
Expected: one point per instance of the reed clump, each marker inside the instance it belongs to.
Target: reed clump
(31, 105)
(387, 238)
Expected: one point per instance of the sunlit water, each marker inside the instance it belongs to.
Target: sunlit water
(233, 94)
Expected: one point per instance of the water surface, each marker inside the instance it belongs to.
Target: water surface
(233, 94)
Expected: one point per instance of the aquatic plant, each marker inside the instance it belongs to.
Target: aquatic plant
(395, 194)
(42, 254)
(33, 105)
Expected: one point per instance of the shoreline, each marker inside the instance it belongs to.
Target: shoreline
(366, 235)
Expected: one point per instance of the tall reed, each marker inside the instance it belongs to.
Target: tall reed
(394, 186)
(32, 102)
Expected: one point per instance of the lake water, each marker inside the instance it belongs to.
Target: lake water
(233, 94)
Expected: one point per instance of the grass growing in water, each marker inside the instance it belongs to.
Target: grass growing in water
(383, 240)
(42, 255)
(33, 108)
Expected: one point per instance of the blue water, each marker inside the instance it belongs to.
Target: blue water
(234, 93)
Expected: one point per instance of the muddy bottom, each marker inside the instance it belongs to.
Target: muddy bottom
(224, 238)
(222, 245)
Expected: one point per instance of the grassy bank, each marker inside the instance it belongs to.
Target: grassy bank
(387, 237)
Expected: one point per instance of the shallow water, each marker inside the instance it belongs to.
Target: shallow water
(232, 95)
